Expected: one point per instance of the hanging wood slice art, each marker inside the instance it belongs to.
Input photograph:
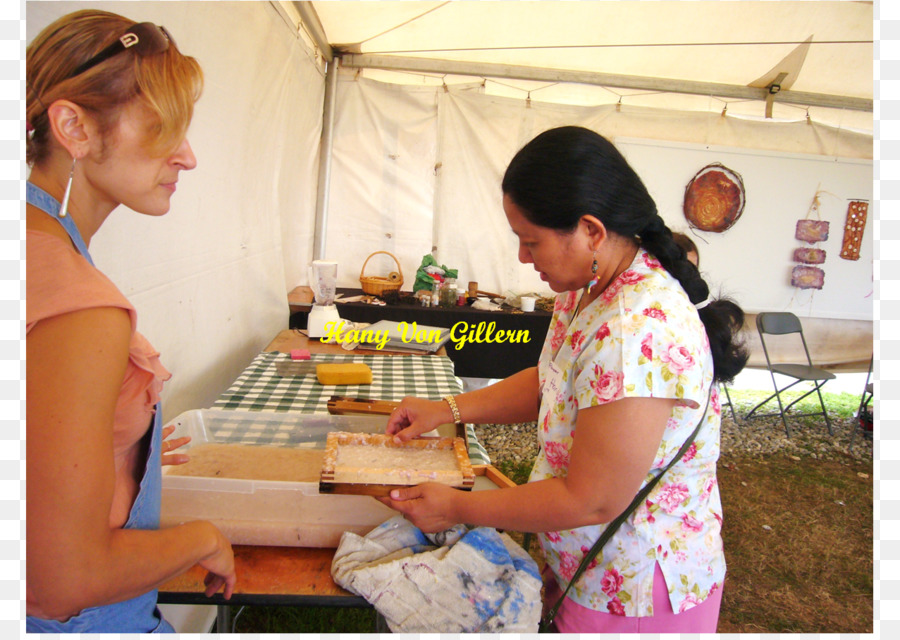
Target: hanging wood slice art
(714, 198)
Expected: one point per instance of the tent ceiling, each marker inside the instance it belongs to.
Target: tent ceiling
(669, 54)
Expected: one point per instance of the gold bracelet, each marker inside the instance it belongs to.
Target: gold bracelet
(453, 408)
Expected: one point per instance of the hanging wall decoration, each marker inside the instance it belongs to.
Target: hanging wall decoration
(810, 231)
(809, 256)
(804, 277)
(857, 212)
(714, 198)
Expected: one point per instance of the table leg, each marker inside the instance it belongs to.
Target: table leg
(223, 618)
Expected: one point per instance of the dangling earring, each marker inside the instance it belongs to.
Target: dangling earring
(64, 207)
(595, 279)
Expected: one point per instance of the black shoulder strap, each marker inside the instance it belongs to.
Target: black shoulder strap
(613, 526)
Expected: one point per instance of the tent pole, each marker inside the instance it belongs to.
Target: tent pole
(314, 28)
(491, 70)
(325, 149)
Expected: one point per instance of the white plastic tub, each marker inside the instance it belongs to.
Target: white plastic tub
(261, 512)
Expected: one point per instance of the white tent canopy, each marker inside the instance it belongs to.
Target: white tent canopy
(456, 85)
(699, 56)
(299, 156)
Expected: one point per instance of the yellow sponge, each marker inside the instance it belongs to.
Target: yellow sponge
(346, 373)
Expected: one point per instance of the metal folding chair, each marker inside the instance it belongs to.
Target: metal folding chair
(782, 323)
(728, 402)
(863, 411)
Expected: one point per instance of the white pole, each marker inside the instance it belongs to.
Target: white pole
(325, 149)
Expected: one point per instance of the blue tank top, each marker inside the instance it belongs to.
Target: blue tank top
(140, 614)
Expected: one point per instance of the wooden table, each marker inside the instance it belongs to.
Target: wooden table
(294, 576)
(284, 576)
(289, 339)
(291, 576)
(269, 576)
(266, 576)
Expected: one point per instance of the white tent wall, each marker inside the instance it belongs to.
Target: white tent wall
(382, 178)
(752, 261)
(209, 279)
(477, 135)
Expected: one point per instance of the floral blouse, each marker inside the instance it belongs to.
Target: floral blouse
(641, 337)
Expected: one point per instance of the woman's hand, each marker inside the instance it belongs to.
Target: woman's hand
(171, 445)
(430, 506)
(416, 416)
(219, 566)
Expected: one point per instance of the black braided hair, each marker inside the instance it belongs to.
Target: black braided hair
(568, 172)
(722, 317)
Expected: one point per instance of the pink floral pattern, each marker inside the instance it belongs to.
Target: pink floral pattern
(557, 455)
(640, 338)
(565, 303)
(577, 340)
(690, 601)
(671, 496)
(690, 453)
(607, 385)
(568, 563)
(614, 606)
(691, 523)
(650, 261)
(559, 334)
(611, 582)
(647, 346)
(602, 332)
(678, 358)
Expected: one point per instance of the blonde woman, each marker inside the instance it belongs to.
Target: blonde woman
(109, 102)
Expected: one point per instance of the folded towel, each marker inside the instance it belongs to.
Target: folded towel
(458, 581)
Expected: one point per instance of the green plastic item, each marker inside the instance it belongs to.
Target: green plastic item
(424, 279)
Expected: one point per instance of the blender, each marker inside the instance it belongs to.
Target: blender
(322, 280)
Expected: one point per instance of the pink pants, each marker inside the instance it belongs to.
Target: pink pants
(575, 618)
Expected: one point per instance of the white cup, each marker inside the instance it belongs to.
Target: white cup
(527, 303)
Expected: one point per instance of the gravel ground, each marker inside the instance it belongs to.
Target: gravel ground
(761, 436)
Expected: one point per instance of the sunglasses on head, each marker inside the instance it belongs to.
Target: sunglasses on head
(146, 39)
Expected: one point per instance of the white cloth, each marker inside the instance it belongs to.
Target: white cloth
(458, 581)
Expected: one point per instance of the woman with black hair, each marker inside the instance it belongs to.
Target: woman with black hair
(690, 248)
(626, 383)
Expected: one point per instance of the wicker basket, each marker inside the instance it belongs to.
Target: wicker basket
(379, 285)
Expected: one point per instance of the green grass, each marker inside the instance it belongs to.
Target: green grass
(518, 472)
(840, 405)
(302, 620)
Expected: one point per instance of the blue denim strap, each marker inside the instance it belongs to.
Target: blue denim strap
(36, 196)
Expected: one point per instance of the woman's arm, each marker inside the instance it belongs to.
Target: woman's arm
(614, 447)
(76, 364)
(511, 400)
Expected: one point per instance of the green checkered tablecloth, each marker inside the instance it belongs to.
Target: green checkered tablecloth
(261, 388)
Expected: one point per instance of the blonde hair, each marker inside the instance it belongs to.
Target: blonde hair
(167, 84)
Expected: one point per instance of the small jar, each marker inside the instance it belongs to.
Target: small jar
(436, 294)
(449, 293)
